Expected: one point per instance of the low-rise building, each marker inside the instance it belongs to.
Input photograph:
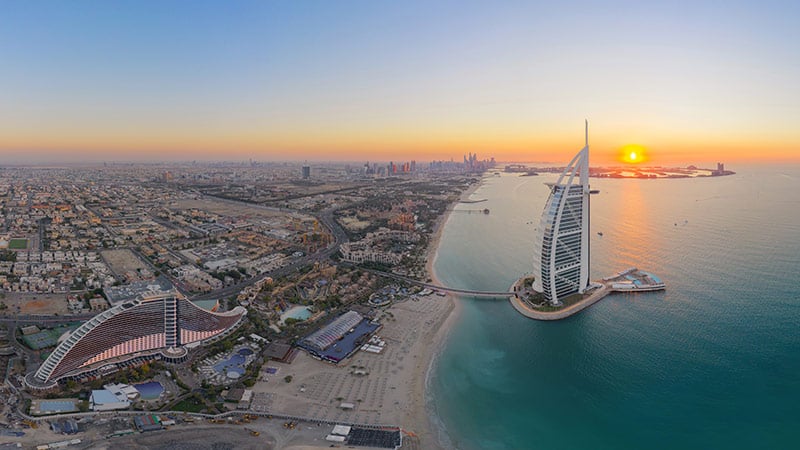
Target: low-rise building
(106, 400)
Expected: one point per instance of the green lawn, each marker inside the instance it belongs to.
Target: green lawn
(189, 405)
(48, 337)
(18, 244)
(565, 303)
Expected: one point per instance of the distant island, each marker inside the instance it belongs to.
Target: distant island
(630, 171)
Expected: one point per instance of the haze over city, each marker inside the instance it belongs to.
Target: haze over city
(297, 225)
(688, 82)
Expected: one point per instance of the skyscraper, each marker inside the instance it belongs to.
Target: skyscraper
(561, 258)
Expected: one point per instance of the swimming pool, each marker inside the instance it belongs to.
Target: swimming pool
(150, 390)
(235, 363)
(57, 406)
(297, 313)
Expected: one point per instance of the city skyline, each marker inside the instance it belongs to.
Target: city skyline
(315, 224)
(688, 83)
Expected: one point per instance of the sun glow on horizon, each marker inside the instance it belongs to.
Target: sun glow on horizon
(633, 154)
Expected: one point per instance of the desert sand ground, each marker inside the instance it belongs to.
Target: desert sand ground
(393, 391)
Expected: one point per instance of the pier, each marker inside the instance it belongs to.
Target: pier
(473, 211)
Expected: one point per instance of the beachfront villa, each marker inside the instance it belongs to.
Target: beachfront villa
(561, 249)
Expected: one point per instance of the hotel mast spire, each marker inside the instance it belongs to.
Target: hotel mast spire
(587, 132)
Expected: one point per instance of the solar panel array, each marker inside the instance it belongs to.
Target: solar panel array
(374, 438)
(332, 332)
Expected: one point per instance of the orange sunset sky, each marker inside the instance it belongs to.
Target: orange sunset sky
(687, 83)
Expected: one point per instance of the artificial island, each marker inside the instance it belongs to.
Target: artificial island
(560, 285)
(204, 299)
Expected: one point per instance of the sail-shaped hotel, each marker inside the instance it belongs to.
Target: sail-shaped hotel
(561, 252)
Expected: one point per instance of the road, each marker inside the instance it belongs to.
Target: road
(175, 282)
(13, 323)
(325, 217)
(48, 319)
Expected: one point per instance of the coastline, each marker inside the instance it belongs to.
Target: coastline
(422, 418)
(394, 390)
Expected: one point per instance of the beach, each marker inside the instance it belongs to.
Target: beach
(393, 390)
(385, 388)
(424, 418)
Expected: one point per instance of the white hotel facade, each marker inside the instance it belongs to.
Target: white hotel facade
(561, 252)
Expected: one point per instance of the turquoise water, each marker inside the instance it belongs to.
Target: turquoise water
(297, 312)
(150, 390)
(57, 406)
(712, 362)
(234, 363)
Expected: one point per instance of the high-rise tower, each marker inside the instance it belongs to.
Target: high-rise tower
(561, 255)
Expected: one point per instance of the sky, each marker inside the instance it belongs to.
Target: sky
(377, 80)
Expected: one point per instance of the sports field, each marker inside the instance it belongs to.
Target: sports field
(17, 244)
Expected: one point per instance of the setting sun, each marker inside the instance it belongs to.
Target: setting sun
(633, 154)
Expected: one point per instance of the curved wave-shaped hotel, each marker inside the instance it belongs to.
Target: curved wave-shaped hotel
(153, 326)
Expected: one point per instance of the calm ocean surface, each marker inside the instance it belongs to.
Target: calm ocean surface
(712, 362)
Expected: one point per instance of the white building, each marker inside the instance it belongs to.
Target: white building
(121, 389)
(363, 251)
(561, 258)
(105, 400)
(221, 264)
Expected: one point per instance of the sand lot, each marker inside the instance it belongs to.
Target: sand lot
(122, 260)
(35, 303)
(392, 391)
(190, 438)
(223, 208)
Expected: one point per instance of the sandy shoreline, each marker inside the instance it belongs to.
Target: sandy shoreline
(421, 417)
(390, 387)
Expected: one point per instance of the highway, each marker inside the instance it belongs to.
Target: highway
(325, 217)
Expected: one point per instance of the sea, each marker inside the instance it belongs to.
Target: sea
(712, 362)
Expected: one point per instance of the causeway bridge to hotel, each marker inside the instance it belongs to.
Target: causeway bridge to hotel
(488, 294)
